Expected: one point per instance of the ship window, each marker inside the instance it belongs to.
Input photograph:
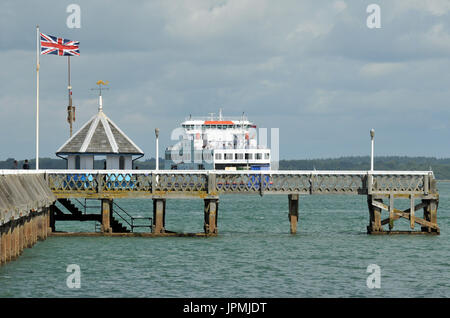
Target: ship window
(218, 156)
(239, 156)
(228, 156)
(248, 156)
(258, 156)
(266, 156)
(207, 156)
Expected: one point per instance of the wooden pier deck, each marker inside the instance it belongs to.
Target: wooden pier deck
(380, 187)
(28, 198)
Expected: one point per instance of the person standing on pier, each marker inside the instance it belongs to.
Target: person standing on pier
(26, 165)
(15, 164)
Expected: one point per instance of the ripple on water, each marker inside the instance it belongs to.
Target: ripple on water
(253, 256)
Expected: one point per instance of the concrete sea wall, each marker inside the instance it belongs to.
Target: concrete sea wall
(25, 199)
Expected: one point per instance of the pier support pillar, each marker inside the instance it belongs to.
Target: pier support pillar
(430, 214)
(106, 215)
(8, 242)
(28, 239)
(38, 227)
(20, 236)
(52, 213)
(43, 226)
(33, 229)
(211, 210)
(375, 215)
(2, 245)
(48, 214)
(159, 216)
(13, 240)
(293, 212)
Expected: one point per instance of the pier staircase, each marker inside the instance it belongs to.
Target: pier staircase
(118, 227)
(120, 220)
(72, 208)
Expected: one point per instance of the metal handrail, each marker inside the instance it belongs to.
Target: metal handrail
(132, 218)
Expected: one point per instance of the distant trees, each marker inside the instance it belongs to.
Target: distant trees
(440, 167)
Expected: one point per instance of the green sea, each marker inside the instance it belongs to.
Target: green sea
(253, 256)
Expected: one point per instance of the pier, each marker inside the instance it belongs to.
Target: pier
(28, 198)
(25, 201)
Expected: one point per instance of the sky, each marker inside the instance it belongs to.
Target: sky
(313, 69)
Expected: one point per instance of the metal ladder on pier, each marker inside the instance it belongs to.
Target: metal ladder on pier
(129, 219)
(82, 211)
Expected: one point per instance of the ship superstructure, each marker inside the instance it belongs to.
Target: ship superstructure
(216, 142)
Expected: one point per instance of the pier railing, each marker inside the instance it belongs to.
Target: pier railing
(172, 183)
(382, 188)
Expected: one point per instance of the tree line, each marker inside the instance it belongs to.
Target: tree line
(440, 166)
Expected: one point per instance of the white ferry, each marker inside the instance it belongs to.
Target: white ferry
(218, 143)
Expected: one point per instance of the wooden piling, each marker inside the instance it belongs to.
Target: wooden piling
(52, 218)
(159, 215)
(34, 223)
(22, 235)
(293, 212)
(375, 215)
(28, 240)
(106, 215)
(8, 242)
(13, 240)
(430, 214)
(49, 223)
(2, 245)
(211, 211)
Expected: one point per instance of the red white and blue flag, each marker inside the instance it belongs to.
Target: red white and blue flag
(59, 46)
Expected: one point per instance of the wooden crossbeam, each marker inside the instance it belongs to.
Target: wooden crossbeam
(397, 216)
(380, 205)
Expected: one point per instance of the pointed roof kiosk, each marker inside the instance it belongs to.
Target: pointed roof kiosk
(100, 136)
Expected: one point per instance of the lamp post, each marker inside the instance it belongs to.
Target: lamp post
(372, 135)
(157, 148)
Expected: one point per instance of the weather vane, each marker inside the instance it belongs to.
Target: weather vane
(100, 88)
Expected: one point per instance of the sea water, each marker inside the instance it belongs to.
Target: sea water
(253, 256)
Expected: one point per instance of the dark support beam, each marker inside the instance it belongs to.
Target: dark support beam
(430, 215)
(211, 211)
(293, 212)
(106, 215)
(375, 215)
(159, 215)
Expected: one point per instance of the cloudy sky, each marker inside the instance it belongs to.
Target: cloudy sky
(313, 69)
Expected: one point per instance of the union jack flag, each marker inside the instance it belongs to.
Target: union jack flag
(58, 46)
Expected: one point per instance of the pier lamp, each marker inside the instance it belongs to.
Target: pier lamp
(157, 152)
(372, 135)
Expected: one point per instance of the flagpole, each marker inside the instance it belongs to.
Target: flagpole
(37, 97)
(69, 88)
